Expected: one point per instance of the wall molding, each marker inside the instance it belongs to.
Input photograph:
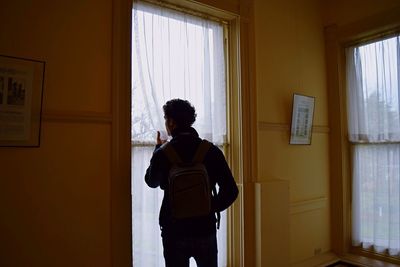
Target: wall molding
(308, 205)
(77, 117)
(284, 127)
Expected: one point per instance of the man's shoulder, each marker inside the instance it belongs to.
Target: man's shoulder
(214, 151)
(158, 154)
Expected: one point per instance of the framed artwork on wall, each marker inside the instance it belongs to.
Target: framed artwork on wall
(302, 119)
(21, 94)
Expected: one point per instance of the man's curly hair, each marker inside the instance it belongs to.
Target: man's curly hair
(181, 111)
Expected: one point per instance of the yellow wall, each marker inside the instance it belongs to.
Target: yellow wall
(343, 12)
(290, 59)
(55, 200)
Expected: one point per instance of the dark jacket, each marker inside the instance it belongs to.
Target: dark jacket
(185, 142)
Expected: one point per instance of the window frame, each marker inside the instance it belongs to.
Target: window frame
(337, 39)
(351, 148)
(233, 146)
(240, 15)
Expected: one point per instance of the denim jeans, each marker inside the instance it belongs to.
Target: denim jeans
(178, 251)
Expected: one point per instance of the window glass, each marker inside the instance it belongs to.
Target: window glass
(174, 55)
(374, 132)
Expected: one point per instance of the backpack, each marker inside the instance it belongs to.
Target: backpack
(189, 184)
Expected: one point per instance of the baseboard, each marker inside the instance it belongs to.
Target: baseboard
(320, 260)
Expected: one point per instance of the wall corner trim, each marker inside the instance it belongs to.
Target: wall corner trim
(284, 127)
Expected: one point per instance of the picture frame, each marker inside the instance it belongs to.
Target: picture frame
(302, 119)
(21, 95)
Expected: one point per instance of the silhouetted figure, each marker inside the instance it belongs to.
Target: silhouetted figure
(187, 232)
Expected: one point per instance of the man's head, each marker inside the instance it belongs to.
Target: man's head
(178, 113)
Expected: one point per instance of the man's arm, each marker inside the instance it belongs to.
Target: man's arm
(154, 173)
(228, 190)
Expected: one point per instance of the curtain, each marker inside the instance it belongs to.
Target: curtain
(374, 130)
(174, 55)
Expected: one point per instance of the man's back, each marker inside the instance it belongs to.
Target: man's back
(189, 191)
(195, 236)
(186, 142)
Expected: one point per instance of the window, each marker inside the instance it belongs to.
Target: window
(373, 111)
(174, 55)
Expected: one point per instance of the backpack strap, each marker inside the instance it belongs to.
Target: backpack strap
(201, 151)
(198, 158)
(171, 154)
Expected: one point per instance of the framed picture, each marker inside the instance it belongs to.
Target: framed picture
(302, 119)
(21, 93)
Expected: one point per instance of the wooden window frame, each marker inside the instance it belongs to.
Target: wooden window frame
(243, 138)
(337, 39)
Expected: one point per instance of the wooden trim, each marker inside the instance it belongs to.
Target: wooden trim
(239, 14)
(375, 256)
(335, 142)
(219, 8)
(308, 205)
(369, 28)
(120, 185)
(77, 117)
(235, 231)
(336, 40)
(243, 120)
(249, 128)
(321, 129)
(232, 6)
(235, 249)
(283, 127)
(183, 7)
(273, 126)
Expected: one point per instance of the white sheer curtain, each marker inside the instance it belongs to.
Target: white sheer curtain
(374, 129)
(174, 55)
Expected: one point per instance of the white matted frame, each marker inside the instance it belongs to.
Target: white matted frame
(302, 119)
(21, 93)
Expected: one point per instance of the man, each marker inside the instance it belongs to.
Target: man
(190, 237)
